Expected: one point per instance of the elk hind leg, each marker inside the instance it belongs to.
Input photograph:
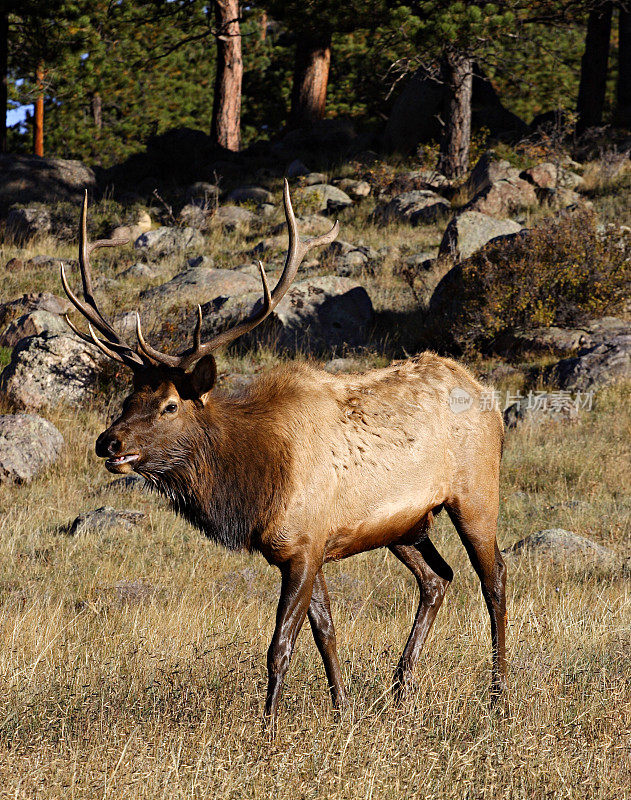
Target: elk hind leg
(476, 526)
(433, 576)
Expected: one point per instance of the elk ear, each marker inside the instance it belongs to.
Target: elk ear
(203, 377)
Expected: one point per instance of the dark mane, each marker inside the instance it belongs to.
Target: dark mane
(230, 476)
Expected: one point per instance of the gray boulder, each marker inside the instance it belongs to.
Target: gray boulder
(309, 225)
(324, 313)
(32, 324)
(313, 178)
(519, 414)
(602, 364)
(139, 270)
(30, 179)
(418, 207)
(203, 193)
(296, 169)
(326, 197)
(28, 223)
(104, 519)
(316, 315)
(504, 197)
(166, 241)
(34, 301)
(488, 170)
(200, 285)
(353, 188)
(28, 444)
(471, 230)
(50, 369)
(256, 194)
(351, 263)
(561, 547)
(194, 216)
(232, 217)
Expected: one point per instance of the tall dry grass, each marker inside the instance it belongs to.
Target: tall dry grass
(132, 663)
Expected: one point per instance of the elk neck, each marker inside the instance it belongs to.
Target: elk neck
(233, 481)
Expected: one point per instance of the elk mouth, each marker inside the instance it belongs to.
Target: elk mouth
(121, 463)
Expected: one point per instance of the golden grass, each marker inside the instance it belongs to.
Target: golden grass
(133, 662)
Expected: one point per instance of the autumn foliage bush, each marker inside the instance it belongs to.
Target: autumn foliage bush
(563, 272)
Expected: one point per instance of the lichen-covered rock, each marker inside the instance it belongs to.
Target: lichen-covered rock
(232, 217)
(418, 207)
(28, 444)
(50, 369)
(502, 198)
(166, 241)
(316, 315)
(255, 194)
(325, 197)
(604, 363)
(104, 519)
(201, 285)
(27, 223)
(30, 179)
(323, 314)
(32, 324)
(35, 301)
(560, 547)
(471, 230)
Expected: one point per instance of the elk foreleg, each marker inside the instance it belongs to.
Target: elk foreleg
(433, 576)
(295, 597)
(324, 635)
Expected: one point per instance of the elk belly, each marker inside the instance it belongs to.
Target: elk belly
(400, 526)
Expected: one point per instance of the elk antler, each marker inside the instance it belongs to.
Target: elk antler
(113, 346)
(145, 355)
(297, 250)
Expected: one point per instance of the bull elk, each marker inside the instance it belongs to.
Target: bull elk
(307, 467)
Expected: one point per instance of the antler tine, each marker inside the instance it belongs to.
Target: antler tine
(113, 347)
(85, 249)
(125, 355)
(152, 353)
(296, 252)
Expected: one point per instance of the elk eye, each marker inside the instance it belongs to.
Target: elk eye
(170, 408)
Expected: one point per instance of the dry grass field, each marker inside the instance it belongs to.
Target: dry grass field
(133, 662)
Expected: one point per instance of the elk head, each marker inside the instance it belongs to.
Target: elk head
(161, 417)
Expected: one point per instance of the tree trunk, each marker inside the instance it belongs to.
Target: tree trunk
(311, 77)
(457, 75)
(4, 68)
(96, 108)
(225, 128)
(38, 117)
(591, 90)
(623, 113)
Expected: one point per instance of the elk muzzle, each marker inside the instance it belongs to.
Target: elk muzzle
(119, 458)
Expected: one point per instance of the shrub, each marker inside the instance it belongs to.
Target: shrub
(564, 272)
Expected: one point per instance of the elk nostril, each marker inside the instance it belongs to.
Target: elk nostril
(108, 445)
